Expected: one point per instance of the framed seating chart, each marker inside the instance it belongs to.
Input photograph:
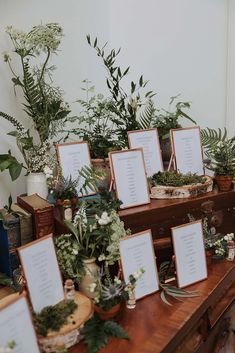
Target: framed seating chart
(16, 325)
(41, 271)
(129, 175)
(137, 252)
(187, 150)
(149, 141)
(72, 156)
(189, 252)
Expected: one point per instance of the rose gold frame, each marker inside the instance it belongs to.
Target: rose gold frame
(176, 260)
(31, 244)
(113, 174)
(157, 139)
(57, 146)
(152, 247)
(173, 145)
(9, 302)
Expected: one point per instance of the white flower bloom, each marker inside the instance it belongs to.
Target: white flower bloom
(117, 280)
(101, 257)
(75, 252)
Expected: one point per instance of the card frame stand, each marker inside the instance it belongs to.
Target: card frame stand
(170, 266)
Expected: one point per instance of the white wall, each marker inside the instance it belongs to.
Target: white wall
(180, 46)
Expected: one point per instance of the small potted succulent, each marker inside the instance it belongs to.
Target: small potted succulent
(221, 153)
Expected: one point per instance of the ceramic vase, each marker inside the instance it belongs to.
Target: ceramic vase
(89, 277)
(36, 183)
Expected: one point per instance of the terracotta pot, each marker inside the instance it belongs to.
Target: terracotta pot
(224, 182)
(99, 163)
(90, 276)
(109, 314)
(208, 257)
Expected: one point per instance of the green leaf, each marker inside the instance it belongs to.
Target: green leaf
(15, 170)
(72, 228)
(13, 133)
(163, 297)
(133, 86)
(141, 81)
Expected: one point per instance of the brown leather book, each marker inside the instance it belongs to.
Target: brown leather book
(26, 226)
(42, 214)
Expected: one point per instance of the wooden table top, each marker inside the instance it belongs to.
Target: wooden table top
(154, 327)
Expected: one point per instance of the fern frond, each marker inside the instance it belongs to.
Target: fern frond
(146, 117)
(211, 137)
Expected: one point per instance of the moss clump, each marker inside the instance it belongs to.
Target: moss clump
(53, 317)
(172, 178)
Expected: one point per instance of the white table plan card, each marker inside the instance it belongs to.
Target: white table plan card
(72, 156)
(148, 139)
(187, 150)
(16, 325)
(41, 271)
(189, 252)
(137, 252)
(128, 172)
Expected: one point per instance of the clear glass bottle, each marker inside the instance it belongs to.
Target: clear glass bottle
(69, 290)
(231, 250)
(131, 302)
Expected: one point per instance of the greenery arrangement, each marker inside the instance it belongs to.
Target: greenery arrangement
(92, 235)
(97, 331)
(44, 103)
(110, 291)
(169, 119)
(166, 271)
(171, 178)
(95, 123)
(125, 113)
(220, 150)
(53, 317)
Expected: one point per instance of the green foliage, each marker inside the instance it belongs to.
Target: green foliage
(9, 162)
(171, 178)
(53, 317)
(5, 281)
(91, 177)
(96, 333)
(166, 271)
(65, 188)
(220, 150)
(125, 107)
(167, 119)
(95, 124)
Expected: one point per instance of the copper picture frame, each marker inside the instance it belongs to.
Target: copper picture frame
(178, 258)
(24, 270)
(114, 179)
(65, 144)
(129, 133)
(11, 300)
(173, 156)
(129, 238)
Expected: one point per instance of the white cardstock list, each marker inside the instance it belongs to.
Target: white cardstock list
(130, 177)
(72, 157)
(190, 253)
(149, 141)
(42, 273)
(136, 253)
(188, 150)
(16, 325)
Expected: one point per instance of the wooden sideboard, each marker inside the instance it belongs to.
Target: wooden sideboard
(185, 327)
(161, 215)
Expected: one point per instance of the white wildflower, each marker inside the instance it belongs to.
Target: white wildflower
(101, 257)
(92, 287)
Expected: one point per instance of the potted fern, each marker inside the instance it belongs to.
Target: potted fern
(221, 153)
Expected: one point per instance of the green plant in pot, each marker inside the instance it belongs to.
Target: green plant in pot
(92, 236)
(221, 153)
(165, 120)
(43, 103)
